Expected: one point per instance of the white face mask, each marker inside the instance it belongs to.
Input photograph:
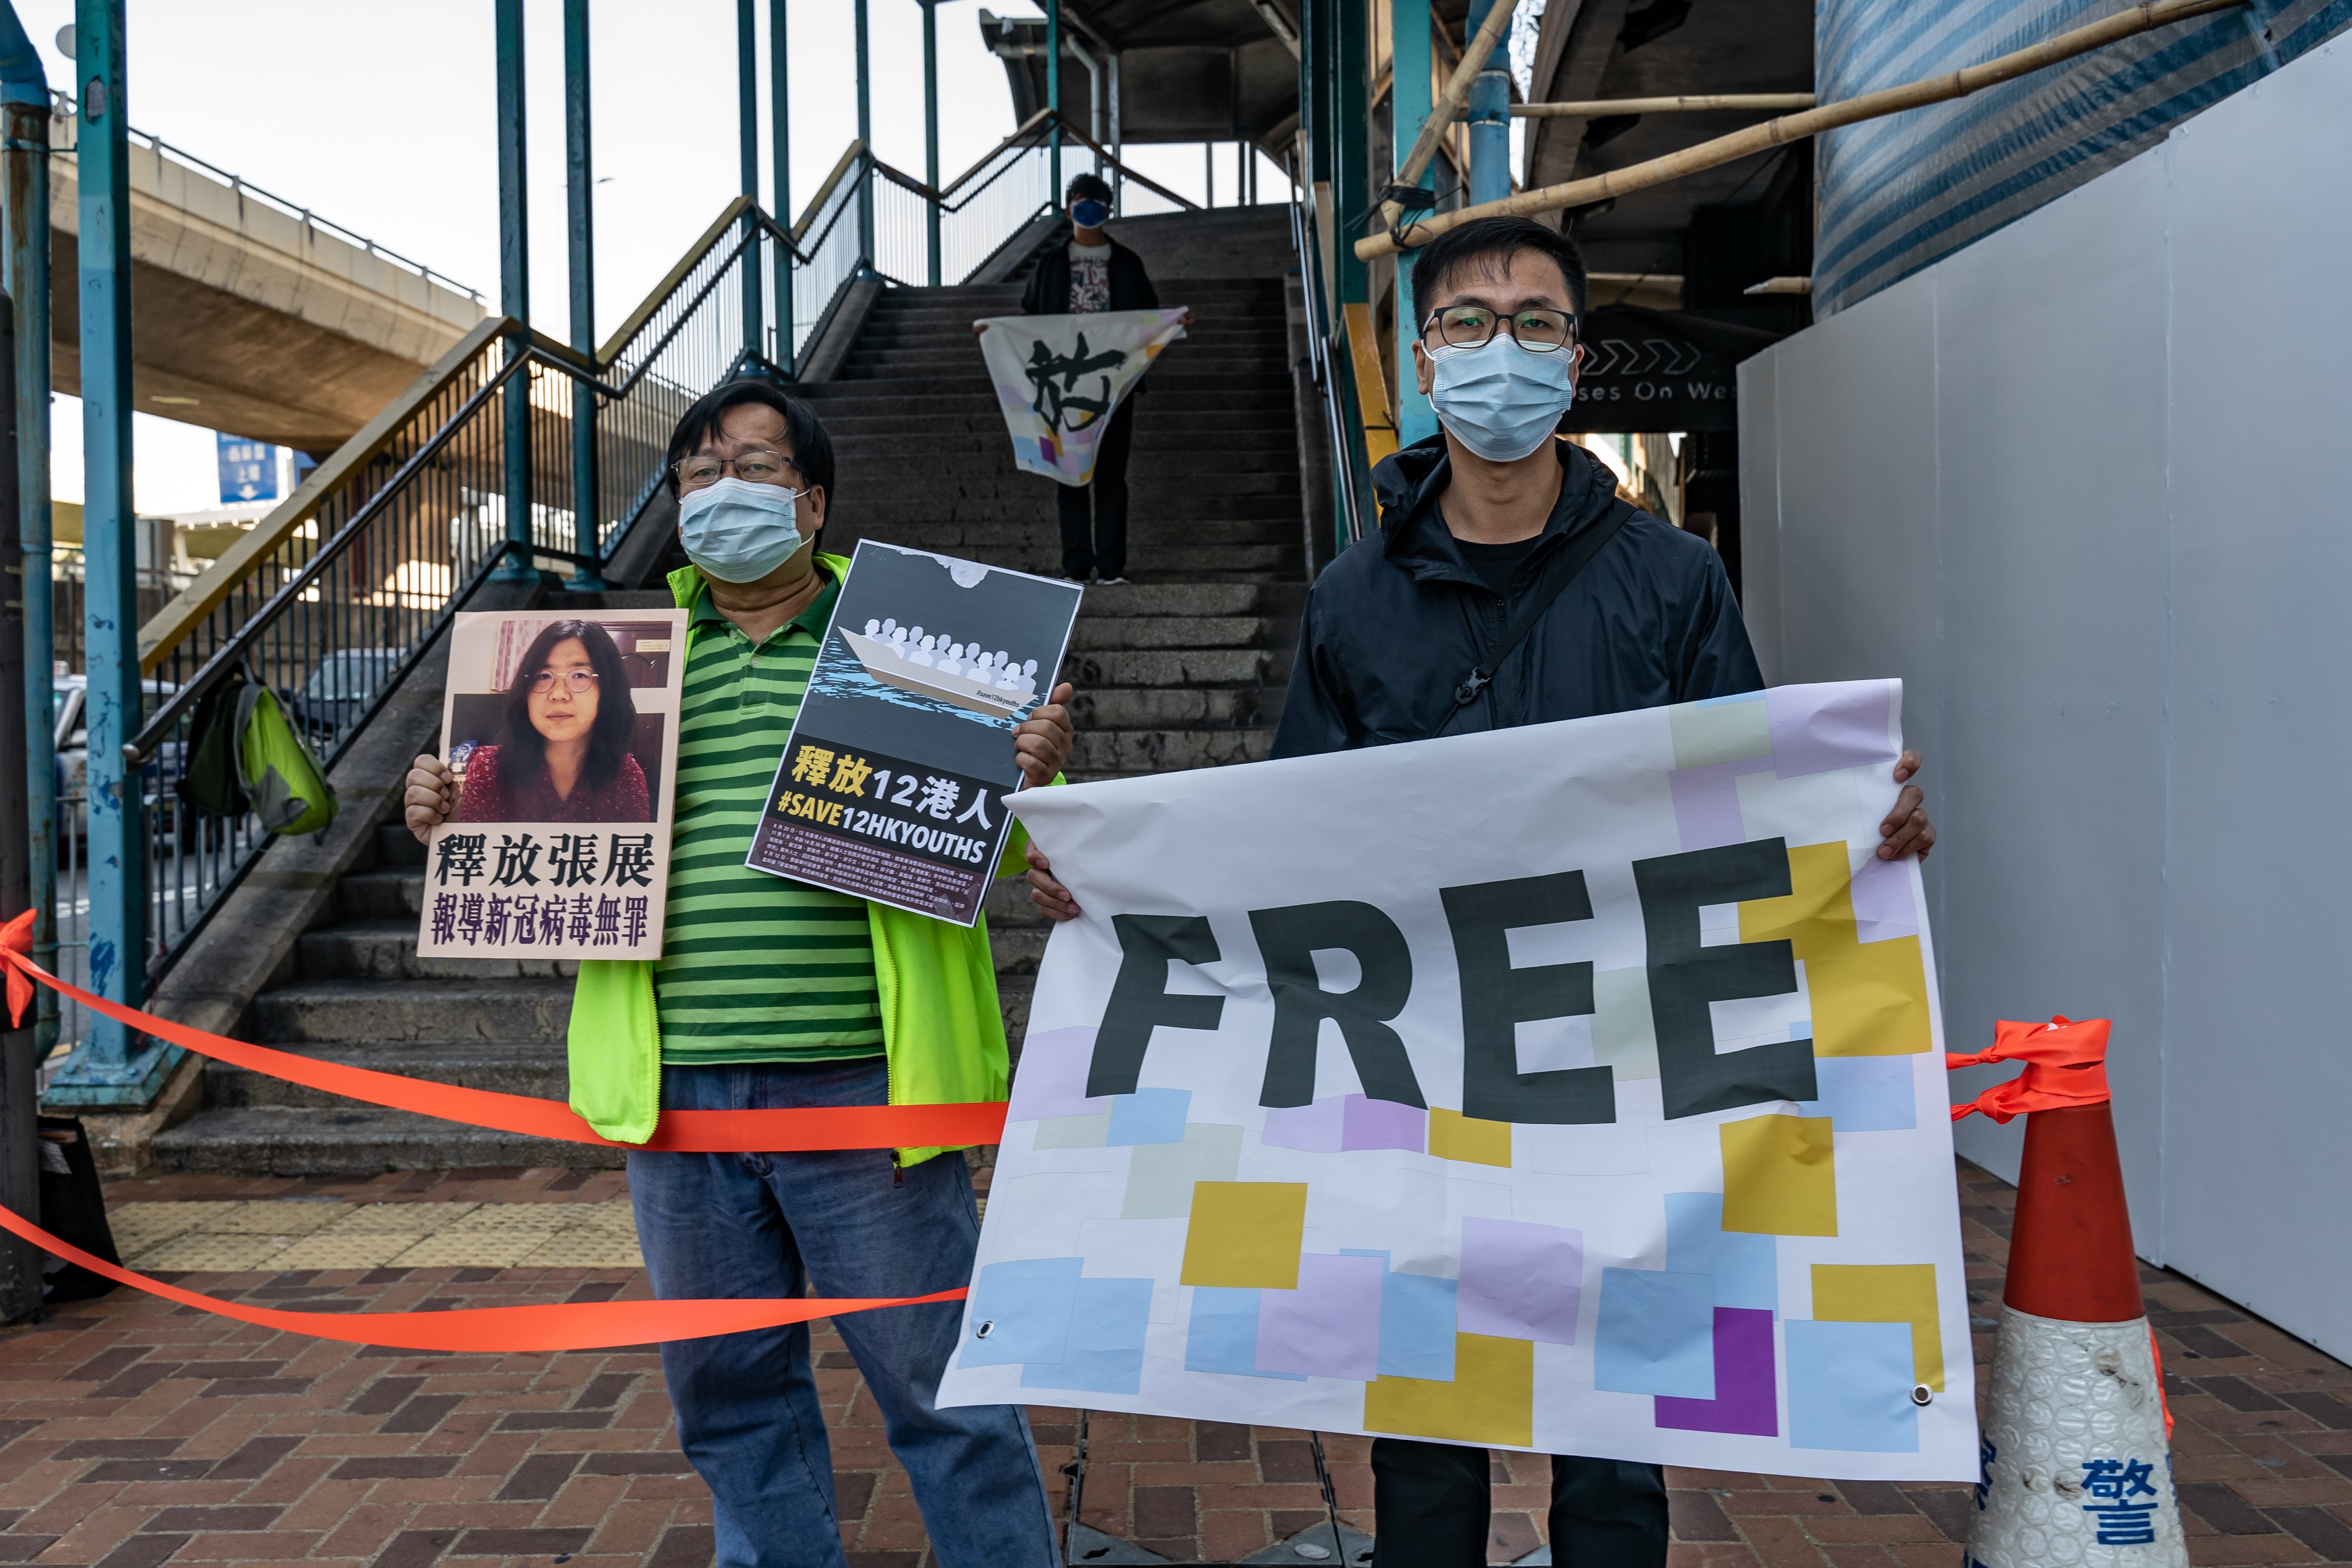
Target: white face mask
(1500, 399)
(737, 532)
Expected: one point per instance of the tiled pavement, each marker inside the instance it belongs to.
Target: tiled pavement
(134, 1433)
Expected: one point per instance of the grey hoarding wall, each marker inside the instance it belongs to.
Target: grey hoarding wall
(2082, 485)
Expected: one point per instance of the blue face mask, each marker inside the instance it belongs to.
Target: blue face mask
(1500, 399)
(737, 532)
(1090, 214)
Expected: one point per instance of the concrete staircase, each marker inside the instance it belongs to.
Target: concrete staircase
(1182, 668)
(1213, 477)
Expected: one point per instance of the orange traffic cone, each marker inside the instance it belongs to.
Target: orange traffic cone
(2076, 1466)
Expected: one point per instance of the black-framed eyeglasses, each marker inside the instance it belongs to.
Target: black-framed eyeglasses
(1540, 331)
(703, 470)
(577, 682)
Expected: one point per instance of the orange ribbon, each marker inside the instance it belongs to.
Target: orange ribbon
(561, 1325)
(678, 1131)
(2065, 1065)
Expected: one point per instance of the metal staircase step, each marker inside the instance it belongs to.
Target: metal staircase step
(381, 894)
(295, 1140)
(1165, 750)
(372, 1012)
(530, 1067)
(1180, 668)
(1105, 707)
(386, 950)
(1139, 632)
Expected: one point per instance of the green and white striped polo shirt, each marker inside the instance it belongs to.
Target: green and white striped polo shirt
(755, 968)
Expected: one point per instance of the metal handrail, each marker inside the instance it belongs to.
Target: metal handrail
(841, 167)
(178, 620)
(1029, 134)
(142, 747)
(63, 106)
(1337, 423)
(1126, 172)
(417, 512)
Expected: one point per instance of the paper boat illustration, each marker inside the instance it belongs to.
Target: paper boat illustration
(885, 663)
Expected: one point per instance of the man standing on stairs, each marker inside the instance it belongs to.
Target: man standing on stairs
(1508, 585)
(1092, 274)
(772, 994)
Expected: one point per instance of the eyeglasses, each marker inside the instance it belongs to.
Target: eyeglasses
(702, 470)
(1473, 327)
(577, 680)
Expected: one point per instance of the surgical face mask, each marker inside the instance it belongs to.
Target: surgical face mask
(737, 532)
(1500, 399)
(1090, 214)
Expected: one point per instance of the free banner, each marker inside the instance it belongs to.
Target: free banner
(562, 730)
(892, 782)
(1060, 378)
(1575, 1088)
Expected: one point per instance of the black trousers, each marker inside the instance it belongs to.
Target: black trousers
(1430, 1502)
(1105, 552)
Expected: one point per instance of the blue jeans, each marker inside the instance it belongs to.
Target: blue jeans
(851, 1224)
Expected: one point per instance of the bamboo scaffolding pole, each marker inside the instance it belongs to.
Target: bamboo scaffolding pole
(1586, 109)
(1449, 105)
(2124, 24)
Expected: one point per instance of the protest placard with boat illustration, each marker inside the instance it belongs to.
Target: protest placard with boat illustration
(891, 785)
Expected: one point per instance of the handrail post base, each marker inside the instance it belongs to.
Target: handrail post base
(91, 1078)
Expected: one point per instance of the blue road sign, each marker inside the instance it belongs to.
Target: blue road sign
(248, 471)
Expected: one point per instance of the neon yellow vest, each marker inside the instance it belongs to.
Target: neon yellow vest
(942, 1030)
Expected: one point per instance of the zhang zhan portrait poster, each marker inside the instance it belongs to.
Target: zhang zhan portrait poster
(892, 785)
(562, 732)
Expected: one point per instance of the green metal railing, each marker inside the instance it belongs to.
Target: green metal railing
(331, 599)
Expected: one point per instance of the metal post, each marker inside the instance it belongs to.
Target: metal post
(1489, 115)
(866, 141)
(1118, 147)
(1209, 172)
(779, 135)
(1351, 175)
(1054, 97)
(1409, 105)
(1095, 127)
(747, 130)
(579, 210)
(931, 131)
(20, 1132)
(113, 1066)
(514, 288)
(25, 193)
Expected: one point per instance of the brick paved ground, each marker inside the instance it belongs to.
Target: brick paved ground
(133, 1433)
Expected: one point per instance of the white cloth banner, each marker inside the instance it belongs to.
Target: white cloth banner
(1574, 1087)
(1060, 378)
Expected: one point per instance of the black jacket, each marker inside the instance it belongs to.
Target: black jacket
(1398, 621)
(1049, 293)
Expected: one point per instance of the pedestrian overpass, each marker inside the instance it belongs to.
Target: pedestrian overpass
(250, 314)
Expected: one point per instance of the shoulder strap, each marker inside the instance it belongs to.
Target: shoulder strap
(1563, 570)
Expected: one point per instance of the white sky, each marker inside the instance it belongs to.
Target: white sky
(381, 119)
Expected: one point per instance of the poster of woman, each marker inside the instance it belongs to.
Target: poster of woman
(560, 730)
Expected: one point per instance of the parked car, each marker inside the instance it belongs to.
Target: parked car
(70, 741)
(339, 689)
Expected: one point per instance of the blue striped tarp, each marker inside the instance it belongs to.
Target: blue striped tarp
(1897, 194)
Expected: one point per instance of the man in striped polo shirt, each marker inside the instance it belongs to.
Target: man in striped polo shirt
(773, 994)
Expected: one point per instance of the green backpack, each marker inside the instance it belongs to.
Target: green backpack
(282, 780)
(248, 756)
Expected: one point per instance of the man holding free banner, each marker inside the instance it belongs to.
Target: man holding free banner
(1509, 585)
(772, 994)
